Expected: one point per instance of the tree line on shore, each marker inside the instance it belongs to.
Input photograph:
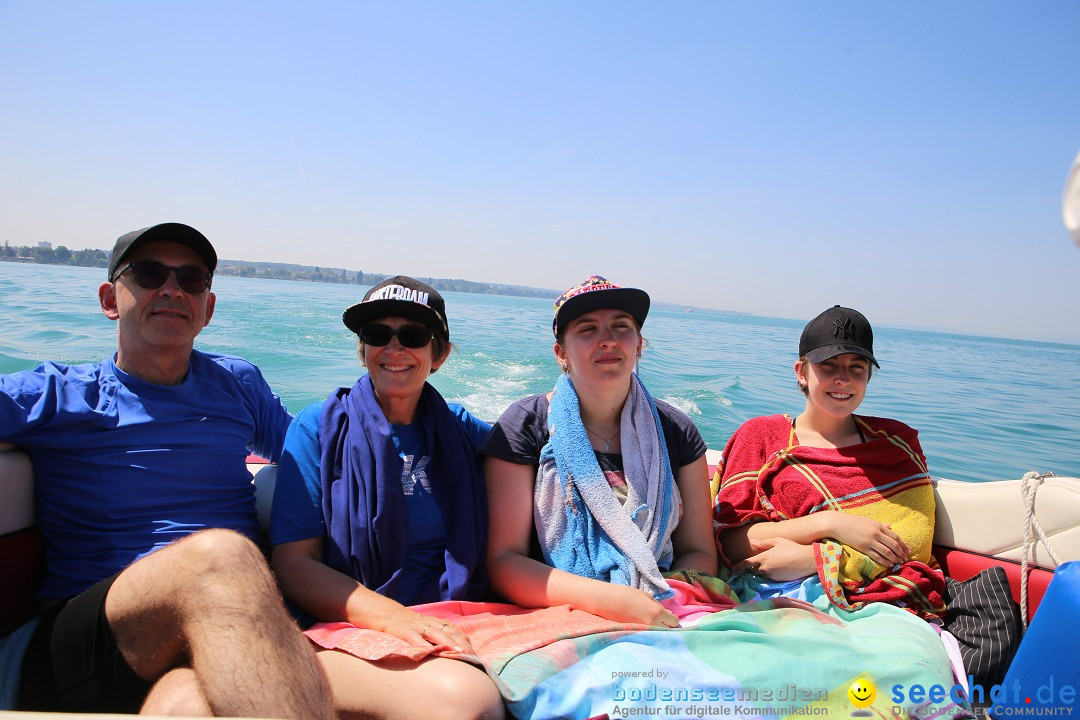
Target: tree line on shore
(61, 255)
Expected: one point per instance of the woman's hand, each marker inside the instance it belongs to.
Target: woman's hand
(780, 559)
(623, 603)
(422, 630)
(873, 539)
(332, 596)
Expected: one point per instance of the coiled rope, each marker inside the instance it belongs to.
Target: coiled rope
(1033, 534)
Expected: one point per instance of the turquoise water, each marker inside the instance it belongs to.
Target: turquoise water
(986, 409)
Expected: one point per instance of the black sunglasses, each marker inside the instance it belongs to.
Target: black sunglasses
(151, 275)
(409, 336)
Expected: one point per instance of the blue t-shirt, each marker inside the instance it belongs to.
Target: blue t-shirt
(297, 510)
(123, 467)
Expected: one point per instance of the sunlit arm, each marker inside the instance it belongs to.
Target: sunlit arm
(529, 583)
(864, 534)
(693, 537)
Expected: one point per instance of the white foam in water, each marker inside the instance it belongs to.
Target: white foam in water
(687, 405)
(486, 406)
(486, 386)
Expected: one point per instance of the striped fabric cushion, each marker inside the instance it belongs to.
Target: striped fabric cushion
(986, 623)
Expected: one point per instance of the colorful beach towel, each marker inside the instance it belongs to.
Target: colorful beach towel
(582, 527)
(765, 475)
(780, 658)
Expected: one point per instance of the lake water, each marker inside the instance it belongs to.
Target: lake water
(986, 409)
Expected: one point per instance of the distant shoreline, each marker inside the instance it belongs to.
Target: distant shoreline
(315, 273)
(342, 276)
(339, 276)
(270, 270)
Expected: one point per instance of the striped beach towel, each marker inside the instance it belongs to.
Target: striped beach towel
(765, 475)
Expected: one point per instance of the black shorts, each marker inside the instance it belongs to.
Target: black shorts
(73, 663)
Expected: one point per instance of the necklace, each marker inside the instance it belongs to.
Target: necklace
(607, 441)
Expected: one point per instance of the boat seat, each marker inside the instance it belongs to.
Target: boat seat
(988, 518)
(22, 549)
(17, 479)
(987, 521)
(265, 477)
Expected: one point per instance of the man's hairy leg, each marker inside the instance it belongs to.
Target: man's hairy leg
(209, 602)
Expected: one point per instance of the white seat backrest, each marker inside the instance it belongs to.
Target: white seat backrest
(265, 479)
(989, 518)
(16, 491)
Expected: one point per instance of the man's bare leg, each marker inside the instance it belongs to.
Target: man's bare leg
(209, 602)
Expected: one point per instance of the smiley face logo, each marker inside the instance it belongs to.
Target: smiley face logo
(862, 693)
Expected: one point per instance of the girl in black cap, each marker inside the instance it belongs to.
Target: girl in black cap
(616, 481)
(380, 505)
(830, 494)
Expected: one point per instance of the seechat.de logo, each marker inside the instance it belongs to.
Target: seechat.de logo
(1004, 700)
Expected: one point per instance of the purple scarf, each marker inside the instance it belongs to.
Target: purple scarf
(362, 501)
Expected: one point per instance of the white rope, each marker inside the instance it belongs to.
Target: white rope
(1033, 534)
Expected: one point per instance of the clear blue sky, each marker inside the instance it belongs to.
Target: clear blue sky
(907, 159)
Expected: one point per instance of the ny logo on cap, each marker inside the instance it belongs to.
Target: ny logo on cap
(844, 328)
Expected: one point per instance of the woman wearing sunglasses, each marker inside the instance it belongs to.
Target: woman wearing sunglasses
(380, 505)
(599, 487)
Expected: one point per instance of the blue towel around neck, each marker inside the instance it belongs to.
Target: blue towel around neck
(581, 525)
(362, 500)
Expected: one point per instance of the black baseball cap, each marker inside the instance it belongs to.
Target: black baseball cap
(837, 331)
(597, 293)
(169, 232)
(400, 296)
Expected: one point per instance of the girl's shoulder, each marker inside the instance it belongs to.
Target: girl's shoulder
(531, 406)
(671, 412)
(762, 432)
(520, 432)
(886, 425)
(767, 424)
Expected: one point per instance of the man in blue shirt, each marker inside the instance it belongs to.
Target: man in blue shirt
(155, 597)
